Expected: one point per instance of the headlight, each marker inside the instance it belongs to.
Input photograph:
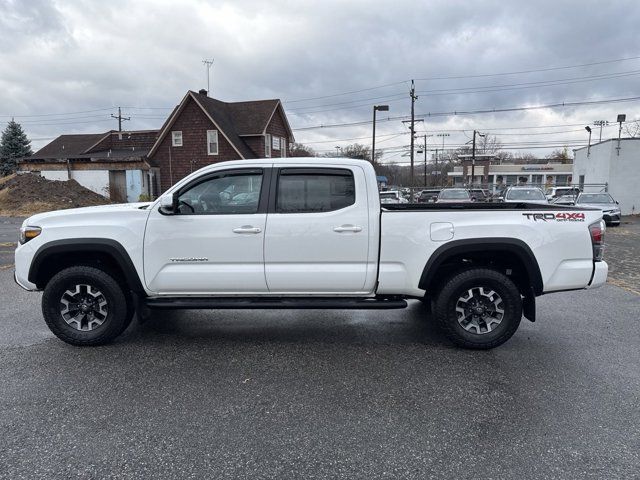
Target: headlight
(27, 233)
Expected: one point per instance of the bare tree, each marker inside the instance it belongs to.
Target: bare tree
(300, 150)
(560, 155)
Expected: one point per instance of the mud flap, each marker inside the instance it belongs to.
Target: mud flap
(529, 306)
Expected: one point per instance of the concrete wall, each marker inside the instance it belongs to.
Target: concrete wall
(620, 172)
(55, 174)
(95, 180)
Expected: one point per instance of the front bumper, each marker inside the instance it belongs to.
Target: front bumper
(600, 272)
(609, 218)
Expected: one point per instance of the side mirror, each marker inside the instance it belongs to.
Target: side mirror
(169, 204)
(617, 202)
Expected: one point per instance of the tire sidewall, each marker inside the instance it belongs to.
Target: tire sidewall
(116, 306)
(502, 285)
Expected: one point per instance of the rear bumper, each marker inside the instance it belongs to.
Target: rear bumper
(601, 269)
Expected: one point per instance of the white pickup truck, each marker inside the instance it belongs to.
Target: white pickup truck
(304, 233)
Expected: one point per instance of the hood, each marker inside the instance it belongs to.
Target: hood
(40, 218)
(605, 207)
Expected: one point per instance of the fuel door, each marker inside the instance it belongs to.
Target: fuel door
(441, 231)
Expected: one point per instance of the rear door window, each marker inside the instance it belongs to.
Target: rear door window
(314, 190)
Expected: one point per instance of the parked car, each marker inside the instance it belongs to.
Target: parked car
(518, 194)
(454, 195)
(315, 237)
(566, 200)
(428, 196)
(605, 202)
(392, 196)
(555, 192)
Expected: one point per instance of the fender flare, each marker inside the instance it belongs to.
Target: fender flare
(457, 247)
(102, 245)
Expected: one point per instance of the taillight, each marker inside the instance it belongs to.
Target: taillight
(596, 230)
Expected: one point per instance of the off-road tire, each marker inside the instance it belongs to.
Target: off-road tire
(448, 296)
(119, 311)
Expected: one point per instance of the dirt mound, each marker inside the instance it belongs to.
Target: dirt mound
(27, 194)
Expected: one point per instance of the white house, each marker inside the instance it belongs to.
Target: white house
(615, 163)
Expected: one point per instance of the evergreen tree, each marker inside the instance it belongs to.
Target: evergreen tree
(14, 144)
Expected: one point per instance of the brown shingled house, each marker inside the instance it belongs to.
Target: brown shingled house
(202, 130)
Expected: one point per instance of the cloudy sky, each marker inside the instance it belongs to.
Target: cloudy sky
(65, 66)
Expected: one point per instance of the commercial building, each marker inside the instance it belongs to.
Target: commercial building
(486, 173)
(615, 164)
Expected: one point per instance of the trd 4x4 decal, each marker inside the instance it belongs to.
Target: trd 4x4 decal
(558, 217)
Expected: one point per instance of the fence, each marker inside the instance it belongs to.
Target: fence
(493, 190)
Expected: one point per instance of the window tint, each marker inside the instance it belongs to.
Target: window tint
(525, 194)
(313, 190)
(231, 193)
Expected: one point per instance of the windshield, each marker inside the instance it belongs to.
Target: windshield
(525, 194)
(393, 195)
(454, 195)
(595, 198)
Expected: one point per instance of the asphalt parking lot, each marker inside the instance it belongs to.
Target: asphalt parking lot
(317, 394)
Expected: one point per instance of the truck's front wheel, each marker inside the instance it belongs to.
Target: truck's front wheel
(85, 306)
(479, 308)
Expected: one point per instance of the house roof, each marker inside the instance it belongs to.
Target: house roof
(218, 112)
(234, 119)
(84, 145)
(66, 146)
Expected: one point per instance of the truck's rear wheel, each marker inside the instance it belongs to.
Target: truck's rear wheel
(479, 308)
(85, 306)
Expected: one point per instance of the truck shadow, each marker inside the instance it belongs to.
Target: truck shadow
(407, 326)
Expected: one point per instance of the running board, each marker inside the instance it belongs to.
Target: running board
(360, 303)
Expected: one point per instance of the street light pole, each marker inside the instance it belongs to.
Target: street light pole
(382, 108)
(588, 129)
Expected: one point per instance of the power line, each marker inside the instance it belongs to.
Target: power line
(476, 112)
(456, 77)
(463, 91)
(537, 70)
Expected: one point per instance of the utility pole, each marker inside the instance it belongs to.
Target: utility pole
(412, 93)
(120, 119)
(437, 171)
(425, 159)
(600, 123)
(207, 64)
(473, 154)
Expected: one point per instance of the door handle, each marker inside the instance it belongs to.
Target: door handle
(247, 229)
(347, 228)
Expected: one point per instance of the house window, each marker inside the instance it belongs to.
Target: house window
(275, 143)
(283, 147)
(212, 142)
(176, 139)
(267, 145)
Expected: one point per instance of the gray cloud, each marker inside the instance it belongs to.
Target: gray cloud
(76, 56)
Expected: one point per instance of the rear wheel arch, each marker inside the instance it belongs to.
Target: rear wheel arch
(456, 255)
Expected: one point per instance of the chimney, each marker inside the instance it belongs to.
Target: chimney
(202, 91)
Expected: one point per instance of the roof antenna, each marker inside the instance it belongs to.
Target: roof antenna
(207, 64)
